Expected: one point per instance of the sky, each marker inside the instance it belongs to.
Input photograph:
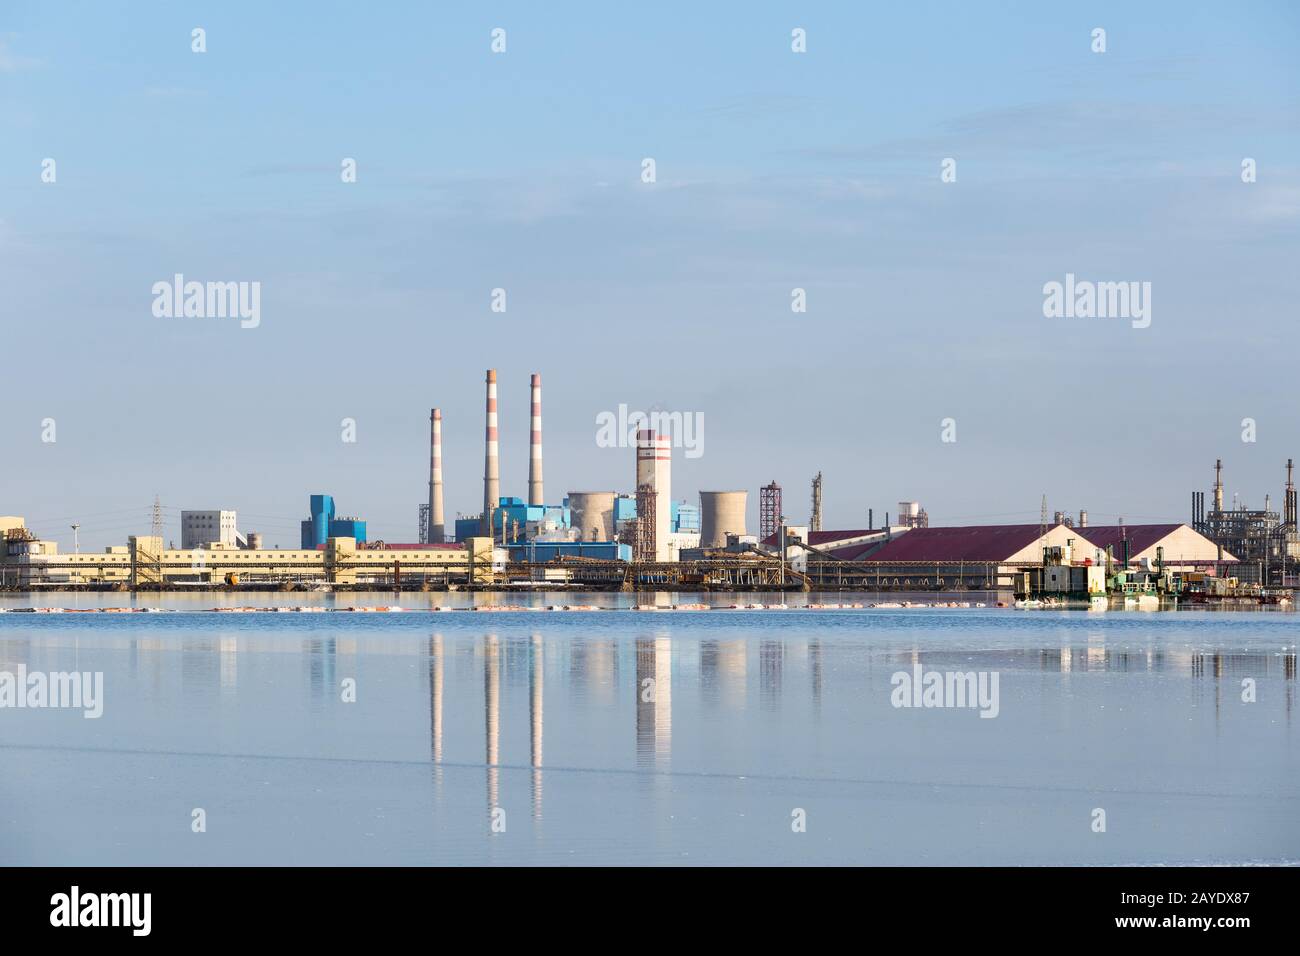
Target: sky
(522, 170)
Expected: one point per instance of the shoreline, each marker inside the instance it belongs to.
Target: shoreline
(644, 608)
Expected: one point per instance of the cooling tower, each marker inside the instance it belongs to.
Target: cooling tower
(437, 526)
(721, 513)
(535, 446)
(491, 464)
(591, 514)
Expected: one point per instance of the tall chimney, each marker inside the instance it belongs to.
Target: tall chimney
(437, 527)
(535, 446)
(491, 463)
(1083, 518)
(1218, 484)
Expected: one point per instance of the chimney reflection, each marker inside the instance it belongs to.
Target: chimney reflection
(535, 677)
(436, 668)
(815, 658)
(771, 667)
(654, 700)
(1288, 676)
(320, 666)
(492, 716)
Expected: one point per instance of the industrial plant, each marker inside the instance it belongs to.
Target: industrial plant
(644, 538)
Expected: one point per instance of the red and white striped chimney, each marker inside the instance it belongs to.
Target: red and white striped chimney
(491, 465)
(437, 527)
(535, 446)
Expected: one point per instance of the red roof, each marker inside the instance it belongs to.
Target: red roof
(970, 543)
(1140, 536)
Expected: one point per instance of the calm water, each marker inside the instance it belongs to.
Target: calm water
(640, 737)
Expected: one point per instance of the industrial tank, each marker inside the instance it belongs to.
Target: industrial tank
(721, 513)
(591, 513)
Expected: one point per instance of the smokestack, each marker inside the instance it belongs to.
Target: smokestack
(1083, 518)
(1218, 484)
(491, 463)
(654, 469)
(437, 527)
(535, 446)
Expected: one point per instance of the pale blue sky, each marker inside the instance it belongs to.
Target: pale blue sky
(521, 170)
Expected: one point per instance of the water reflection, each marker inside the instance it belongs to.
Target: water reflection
(436, 671)
(492, 718)
(723, 666)
(771, 667)
(654, 707)
(536, 675)
(321, 658)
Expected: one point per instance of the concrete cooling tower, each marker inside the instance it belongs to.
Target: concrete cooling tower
(591, 513)
(721, 513)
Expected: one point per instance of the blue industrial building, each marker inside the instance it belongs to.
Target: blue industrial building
(517, 516)
(322, 524)
(683, 516)
(543, 551)
(517, 512)
(471, 527)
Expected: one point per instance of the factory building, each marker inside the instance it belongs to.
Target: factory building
(27, 561)
(468, 526)
(989, 556)
(912, 515)
(1265, 542)
(684, 525)
(1002, 544)
(202, 528)
(685, 518)
(323, 525)
(539, 552)
(801, 542)
(515, 520)
(1178, 546)
(977, 556)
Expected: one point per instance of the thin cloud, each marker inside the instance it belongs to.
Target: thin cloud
(11, 62)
